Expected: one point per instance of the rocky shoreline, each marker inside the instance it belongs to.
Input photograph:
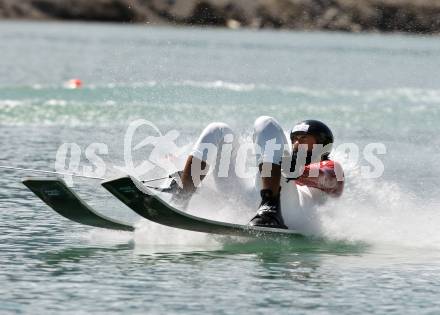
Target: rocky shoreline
(411, 16)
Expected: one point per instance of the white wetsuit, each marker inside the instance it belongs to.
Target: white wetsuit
(297, 201)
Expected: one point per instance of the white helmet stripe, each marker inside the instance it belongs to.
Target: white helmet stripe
(302, 127)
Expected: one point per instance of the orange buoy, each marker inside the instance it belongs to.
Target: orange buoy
(74, 84)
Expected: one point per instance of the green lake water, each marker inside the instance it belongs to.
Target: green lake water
(377, 248)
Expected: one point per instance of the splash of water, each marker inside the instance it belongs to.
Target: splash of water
(380, 212)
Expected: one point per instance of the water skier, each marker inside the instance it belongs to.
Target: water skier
(291, 175)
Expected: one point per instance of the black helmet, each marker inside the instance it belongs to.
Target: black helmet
(322, 133)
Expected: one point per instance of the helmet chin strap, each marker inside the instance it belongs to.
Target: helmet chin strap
(308, 161)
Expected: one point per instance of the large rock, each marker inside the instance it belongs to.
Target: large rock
(418, 16)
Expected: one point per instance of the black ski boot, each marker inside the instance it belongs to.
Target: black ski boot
(269, 212)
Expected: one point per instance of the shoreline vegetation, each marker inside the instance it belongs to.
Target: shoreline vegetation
(409, 16)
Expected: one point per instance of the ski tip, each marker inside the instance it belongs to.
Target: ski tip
(115, 180)
(122, 180)
(118, 186)
(30, 180)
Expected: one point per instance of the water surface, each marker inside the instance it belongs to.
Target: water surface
(381, 244)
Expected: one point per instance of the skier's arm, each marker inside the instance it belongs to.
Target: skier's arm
(327, 176)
